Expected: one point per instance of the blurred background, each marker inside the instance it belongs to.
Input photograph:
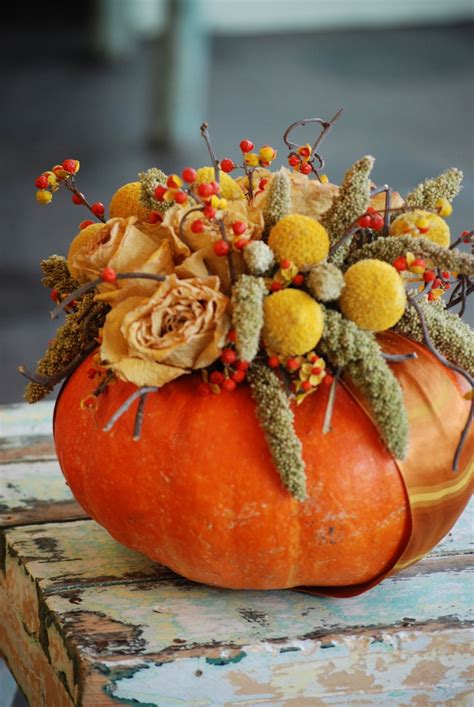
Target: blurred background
(123, 85)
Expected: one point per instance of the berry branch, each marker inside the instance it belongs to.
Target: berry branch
(96, 209)
(205, 134)
(302, 157)
(107, 275)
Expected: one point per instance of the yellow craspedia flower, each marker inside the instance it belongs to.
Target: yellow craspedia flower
(85, 235)
(229, 187)
(293, 322)
(301, 239)
(373, 295)
(126, 202)
(422, 223)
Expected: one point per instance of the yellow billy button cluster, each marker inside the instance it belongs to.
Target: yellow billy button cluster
(373, 295)
(127, 202)
(424, 223)
(301, 239)
(293, 322)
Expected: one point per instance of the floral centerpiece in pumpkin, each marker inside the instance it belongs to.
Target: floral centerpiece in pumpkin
(267, 385)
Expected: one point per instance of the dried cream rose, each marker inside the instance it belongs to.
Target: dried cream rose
(201, 244)
(119, 244)
(182, 326)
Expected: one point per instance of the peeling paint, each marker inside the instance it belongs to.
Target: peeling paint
(226, 660)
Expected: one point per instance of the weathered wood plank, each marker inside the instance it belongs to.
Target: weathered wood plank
(35, 493)
(85, 621)
(26, 431)
(26, 420)
(113, 642)
(161, 607)
(89, 555)
(349, 670)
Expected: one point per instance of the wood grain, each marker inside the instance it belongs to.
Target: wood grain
(85, 621)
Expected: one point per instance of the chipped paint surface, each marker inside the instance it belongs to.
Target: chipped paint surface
(43, 482)
(23, 420)
(204, 615)
(353, 670)
(86, 621)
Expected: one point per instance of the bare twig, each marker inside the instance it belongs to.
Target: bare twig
(70, 184)
(327, 427)
(98, 281)
(326, 126)
(51, 381)
(215, 161)
(144, 390)
(429, 345)
(399, 358)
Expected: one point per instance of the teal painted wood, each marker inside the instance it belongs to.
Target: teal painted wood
(158, 639)
(25, 420)
(145, 636)
(343, 672)
(23, 483)
(112, 582)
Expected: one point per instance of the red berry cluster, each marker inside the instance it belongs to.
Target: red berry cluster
(251, 160)
(64, 174)
(301, 160)
(287, 275)
(234, 372)
(371, 219)
(305, 372)
(434, 283)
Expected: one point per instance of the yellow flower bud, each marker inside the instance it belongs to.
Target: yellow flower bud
(215, 201)
(52, 179)
(323, 178)
(43, 196)
(422, 222)
(267, 153)
(222, 204)
(60, 172)
(251, 159)
(444, 208)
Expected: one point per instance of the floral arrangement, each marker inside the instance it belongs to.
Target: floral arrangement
(276, 279)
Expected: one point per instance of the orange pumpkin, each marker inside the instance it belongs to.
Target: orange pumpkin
(199, 492)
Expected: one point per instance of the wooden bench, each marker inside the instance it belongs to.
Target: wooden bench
(84, 621)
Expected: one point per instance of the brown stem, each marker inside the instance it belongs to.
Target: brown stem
(95, 283)
(183, 220)
(103, 383)
(460, 240)
(429, 345)
(137, 427)
(469, 288)
(331, 401)
(353, 226)
(232, 273)
(215, 161)
(128, 402)
(70, 184)
(326, 127)
(399, 358)
(51, 381)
